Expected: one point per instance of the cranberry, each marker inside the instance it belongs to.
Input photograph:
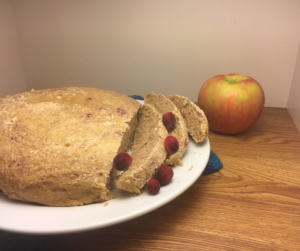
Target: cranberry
(171, 144)
(122, 161)
(121, 112)
(153, 186)
(186, 143)
(164, 174)
(169, 120)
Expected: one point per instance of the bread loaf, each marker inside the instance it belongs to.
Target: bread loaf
(57, 145)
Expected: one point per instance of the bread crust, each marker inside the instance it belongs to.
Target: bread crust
(195, 119)
(148, 152)
(57, 145)
(164, 105)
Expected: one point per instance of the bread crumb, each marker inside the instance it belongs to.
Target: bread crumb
(178, 181)
(200, 153)
(106, 204)
(194, 152)
(191, 168)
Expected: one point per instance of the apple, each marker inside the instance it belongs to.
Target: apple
(232, 102)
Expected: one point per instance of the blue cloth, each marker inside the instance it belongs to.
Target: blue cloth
(214, 164)
(136, 97)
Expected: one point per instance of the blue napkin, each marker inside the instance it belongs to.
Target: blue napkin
(214, 164)
(136, 97)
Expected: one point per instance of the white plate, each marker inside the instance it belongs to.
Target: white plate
(23, 217)
(29, 218)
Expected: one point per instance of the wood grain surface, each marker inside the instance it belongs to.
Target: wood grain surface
(253, 203)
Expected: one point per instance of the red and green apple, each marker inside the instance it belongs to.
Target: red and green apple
(232, 102)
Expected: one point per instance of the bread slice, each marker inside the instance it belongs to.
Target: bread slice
(148, 152)
(57, 145)
(164, 105)
(195, 119)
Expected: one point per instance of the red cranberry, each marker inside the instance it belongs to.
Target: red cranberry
(169, 120)
(153, 186)
(122, 161)
(164, 174)
(171, 144)
(121, 112)
(186, 143)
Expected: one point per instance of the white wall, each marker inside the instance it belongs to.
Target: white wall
(293, 105)
(171, 46)
(12, 78)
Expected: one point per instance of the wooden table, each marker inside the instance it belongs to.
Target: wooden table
(253, 203)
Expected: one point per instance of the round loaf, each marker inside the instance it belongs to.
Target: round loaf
(57, 145)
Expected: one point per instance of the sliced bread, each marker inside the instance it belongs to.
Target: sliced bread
(164, 105)
(148, 152)
(195, 119)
